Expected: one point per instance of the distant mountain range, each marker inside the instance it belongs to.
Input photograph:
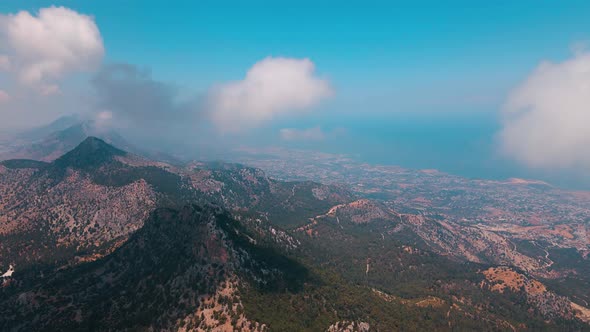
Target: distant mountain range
(41, 132)
(104, 239)
(47, 143)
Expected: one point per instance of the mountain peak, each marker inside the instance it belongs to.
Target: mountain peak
(95, 143)
(91, 152)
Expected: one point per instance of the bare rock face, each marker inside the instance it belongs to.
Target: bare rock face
(221, 311)
(445, 237)
(348, 326)
(79, 214)
(468, 242)
(362, 211)
(180, 271)
(57, 211)
(504, 279)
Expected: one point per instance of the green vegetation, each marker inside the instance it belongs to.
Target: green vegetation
(289, 280)
(23, 163)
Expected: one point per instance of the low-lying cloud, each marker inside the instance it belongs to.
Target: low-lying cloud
(128, 93)
(271, 87)
(309, 134)
(313, 134)
(546, 118)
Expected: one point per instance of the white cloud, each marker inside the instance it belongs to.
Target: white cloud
(309, 134)
(104, 116)
(4, 96)
(272, 86)
(41, 49)
(49, 89)
(103, 120)
(547, 118)
(4, 63)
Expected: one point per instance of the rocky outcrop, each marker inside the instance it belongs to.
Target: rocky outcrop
(178, 272)
(550, 305)
(349, 326)
(362, 211)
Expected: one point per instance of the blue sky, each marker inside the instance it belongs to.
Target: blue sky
(412, 79)
(372, 46)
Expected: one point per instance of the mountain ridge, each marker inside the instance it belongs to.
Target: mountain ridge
(357, 261)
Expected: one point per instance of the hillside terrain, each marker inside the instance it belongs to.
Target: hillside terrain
(529, 224)
(116, 241)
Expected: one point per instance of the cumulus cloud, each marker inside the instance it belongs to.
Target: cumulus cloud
(271, 87)
(546, 119)
(39, 49)
(309, 134)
